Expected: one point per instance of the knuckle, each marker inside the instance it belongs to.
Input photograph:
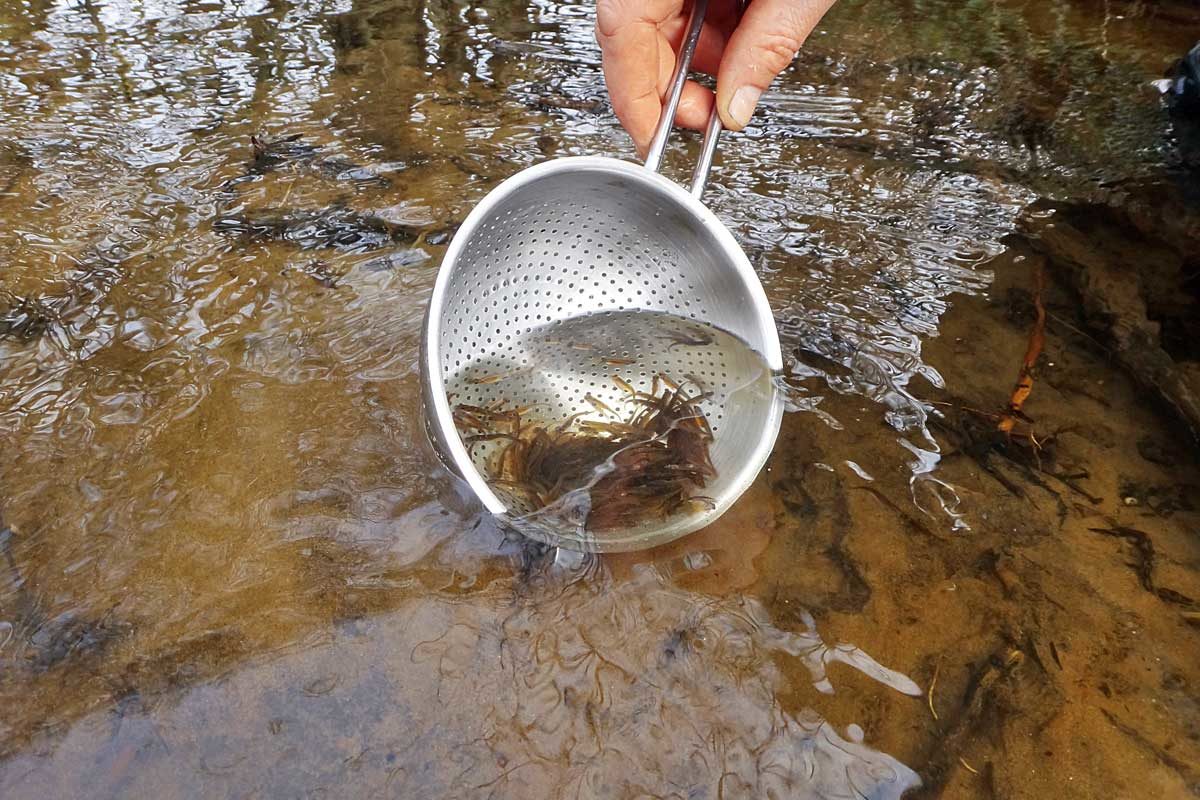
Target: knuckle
(605, 14)
(612, 15)
(774, 51)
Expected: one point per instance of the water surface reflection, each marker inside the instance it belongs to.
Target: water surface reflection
(230, 565)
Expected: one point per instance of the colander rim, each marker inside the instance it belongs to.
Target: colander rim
(443, 416)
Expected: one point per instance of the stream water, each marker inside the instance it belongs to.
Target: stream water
(230, 565)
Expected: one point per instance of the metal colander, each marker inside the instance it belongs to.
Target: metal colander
(581, 271)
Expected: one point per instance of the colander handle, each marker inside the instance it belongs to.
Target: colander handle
(712, 132)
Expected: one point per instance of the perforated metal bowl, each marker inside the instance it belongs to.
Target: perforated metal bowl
(580, 269)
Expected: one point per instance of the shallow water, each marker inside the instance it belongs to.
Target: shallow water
(231, 566)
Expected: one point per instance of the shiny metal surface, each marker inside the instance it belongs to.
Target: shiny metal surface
(572, 238)
(662, 132)
(580, 364)
(708, 149)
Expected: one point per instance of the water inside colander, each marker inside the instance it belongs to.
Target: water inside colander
(637, 420)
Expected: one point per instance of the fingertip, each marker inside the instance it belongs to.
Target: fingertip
(639, 121)
(695, 105)
(740, 84)
(763, 45)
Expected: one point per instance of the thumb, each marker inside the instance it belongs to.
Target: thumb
(765, 41)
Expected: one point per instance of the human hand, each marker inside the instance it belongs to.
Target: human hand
(639, 40)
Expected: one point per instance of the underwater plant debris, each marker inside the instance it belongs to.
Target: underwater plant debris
(646, 464)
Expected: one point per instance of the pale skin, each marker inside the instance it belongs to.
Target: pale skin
(639, 40)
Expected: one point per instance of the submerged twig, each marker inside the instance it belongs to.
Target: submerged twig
(929, 696)
(1037, 338)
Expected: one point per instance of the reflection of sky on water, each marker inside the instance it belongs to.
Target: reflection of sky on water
(590, 687)
(221, 513)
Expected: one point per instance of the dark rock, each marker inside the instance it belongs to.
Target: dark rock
(440, 237)
(320, 271)
(349, 31)
(399, 260)
(68, 636)
(272, 153)
(25, 318)
(1155, 452)
(334, 227)
(1183, 84)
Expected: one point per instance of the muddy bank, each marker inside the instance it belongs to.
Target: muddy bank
(1132, 264)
